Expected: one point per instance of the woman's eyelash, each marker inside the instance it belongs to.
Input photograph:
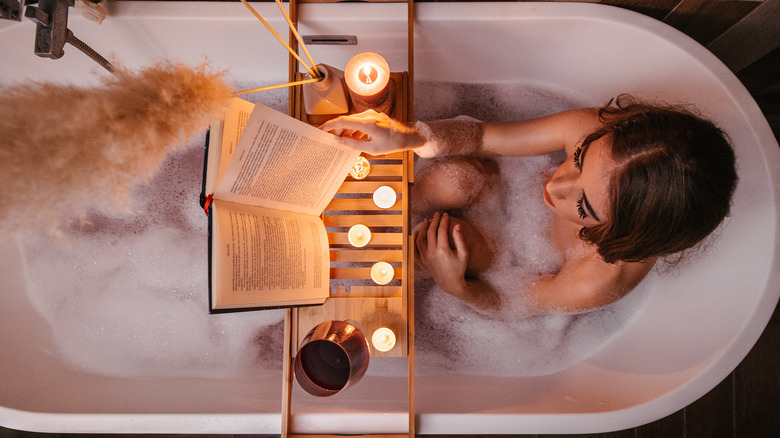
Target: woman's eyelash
(580, 209)
(576, 157)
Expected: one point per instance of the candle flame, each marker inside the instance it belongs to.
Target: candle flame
(383, 339)
(368, 74)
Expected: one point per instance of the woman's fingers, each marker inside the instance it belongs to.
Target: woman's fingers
(421, 239)
(433, 230)
(442, 237)
(460, 242)
(353, 122)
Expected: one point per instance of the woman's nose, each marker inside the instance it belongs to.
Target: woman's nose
(561, 185)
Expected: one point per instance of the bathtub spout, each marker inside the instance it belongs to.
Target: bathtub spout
(51, 17)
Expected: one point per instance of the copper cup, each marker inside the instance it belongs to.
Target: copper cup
(333, 355)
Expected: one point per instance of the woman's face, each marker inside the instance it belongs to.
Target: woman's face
(578, 191)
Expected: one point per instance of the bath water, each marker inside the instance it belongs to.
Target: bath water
(127, 296)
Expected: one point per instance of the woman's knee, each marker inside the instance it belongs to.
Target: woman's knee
(453, 183)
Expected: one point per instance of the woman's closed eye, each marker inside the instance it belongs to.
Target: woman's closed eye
(576, 158)
(580, 209)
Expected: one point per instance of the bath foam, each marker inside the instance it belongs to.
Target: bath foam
(449, 334)
(126, 295)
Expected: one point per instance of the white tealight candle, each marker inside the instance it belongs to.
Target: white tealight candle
(359, 235)
(383, 339)
(382, 273)
(384, 197)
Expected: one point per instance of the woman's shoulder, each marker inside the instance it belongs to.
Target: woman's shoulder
(603, 283)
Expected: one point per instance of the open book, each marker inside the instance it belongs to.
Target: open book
(267, 179)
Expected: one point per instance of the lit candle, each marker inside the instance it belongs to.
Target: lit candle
(383, 339)
(382, 273)
(368, 80)
(361, 168)
(359, 235)
(384, 197)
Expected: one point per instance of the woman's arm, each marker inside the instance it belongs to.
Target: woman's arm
(541, 135)
(376, 133)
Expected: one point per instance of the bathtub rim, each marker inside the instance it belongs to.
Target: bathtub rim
(762, 311)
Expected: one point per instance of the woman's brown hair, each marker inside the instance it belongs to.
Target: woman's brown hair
(673, 184)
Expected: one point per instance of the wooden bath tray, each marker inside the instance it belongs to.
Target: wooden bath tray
(354, 296)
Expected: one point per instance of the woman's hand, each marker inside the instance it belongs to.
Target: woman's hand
(374, 133)
(447, 265)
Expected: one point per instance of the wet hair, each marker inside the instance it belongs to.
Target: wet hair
(673, 183)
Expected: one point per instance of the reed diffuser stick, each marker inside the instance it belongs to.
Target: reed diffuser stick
(268, 26)
(271, 87)
(298, 37)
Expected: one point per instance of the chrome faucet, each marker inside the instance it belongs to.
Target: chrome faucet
(51, 17)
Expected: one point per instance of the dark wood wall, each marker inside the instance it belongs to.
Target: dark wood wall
(744, 34)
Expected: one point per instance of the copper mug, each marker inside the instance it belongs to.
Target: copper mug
(332, 356)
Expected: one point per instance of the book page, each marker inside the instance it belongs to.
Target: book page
(268, 258)
(285, 164)
(229, 131)
(235, 121)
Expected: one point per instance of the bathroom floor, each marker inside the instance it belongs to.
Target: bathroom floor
(745, 405)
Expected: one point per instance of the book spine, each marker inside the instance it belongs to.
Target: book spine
(210, 249)
(205, 198)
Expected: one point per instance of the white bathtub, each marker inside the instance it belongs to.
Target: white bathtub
(692, 330)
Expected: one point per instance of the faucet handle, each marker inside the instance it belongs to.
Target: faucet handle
(38, 16)
(51, 17)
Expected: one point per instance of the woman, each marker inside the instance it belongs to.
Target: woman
(640, 182)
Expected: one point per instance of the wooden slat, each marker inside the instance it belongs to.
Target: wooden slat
(409, 312)
(368, 291)
(377, 239)
(368, 186)
(763, 76)
(756, 381)
(351, 436)
(750, 39)
(712, 414)
(657, 9)
(704, 20)
(670, 426)
(369, 220)
(358, 273)
(362, 255)
(358, 205)
(287, 372)
(393, 156)
(385, 170)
